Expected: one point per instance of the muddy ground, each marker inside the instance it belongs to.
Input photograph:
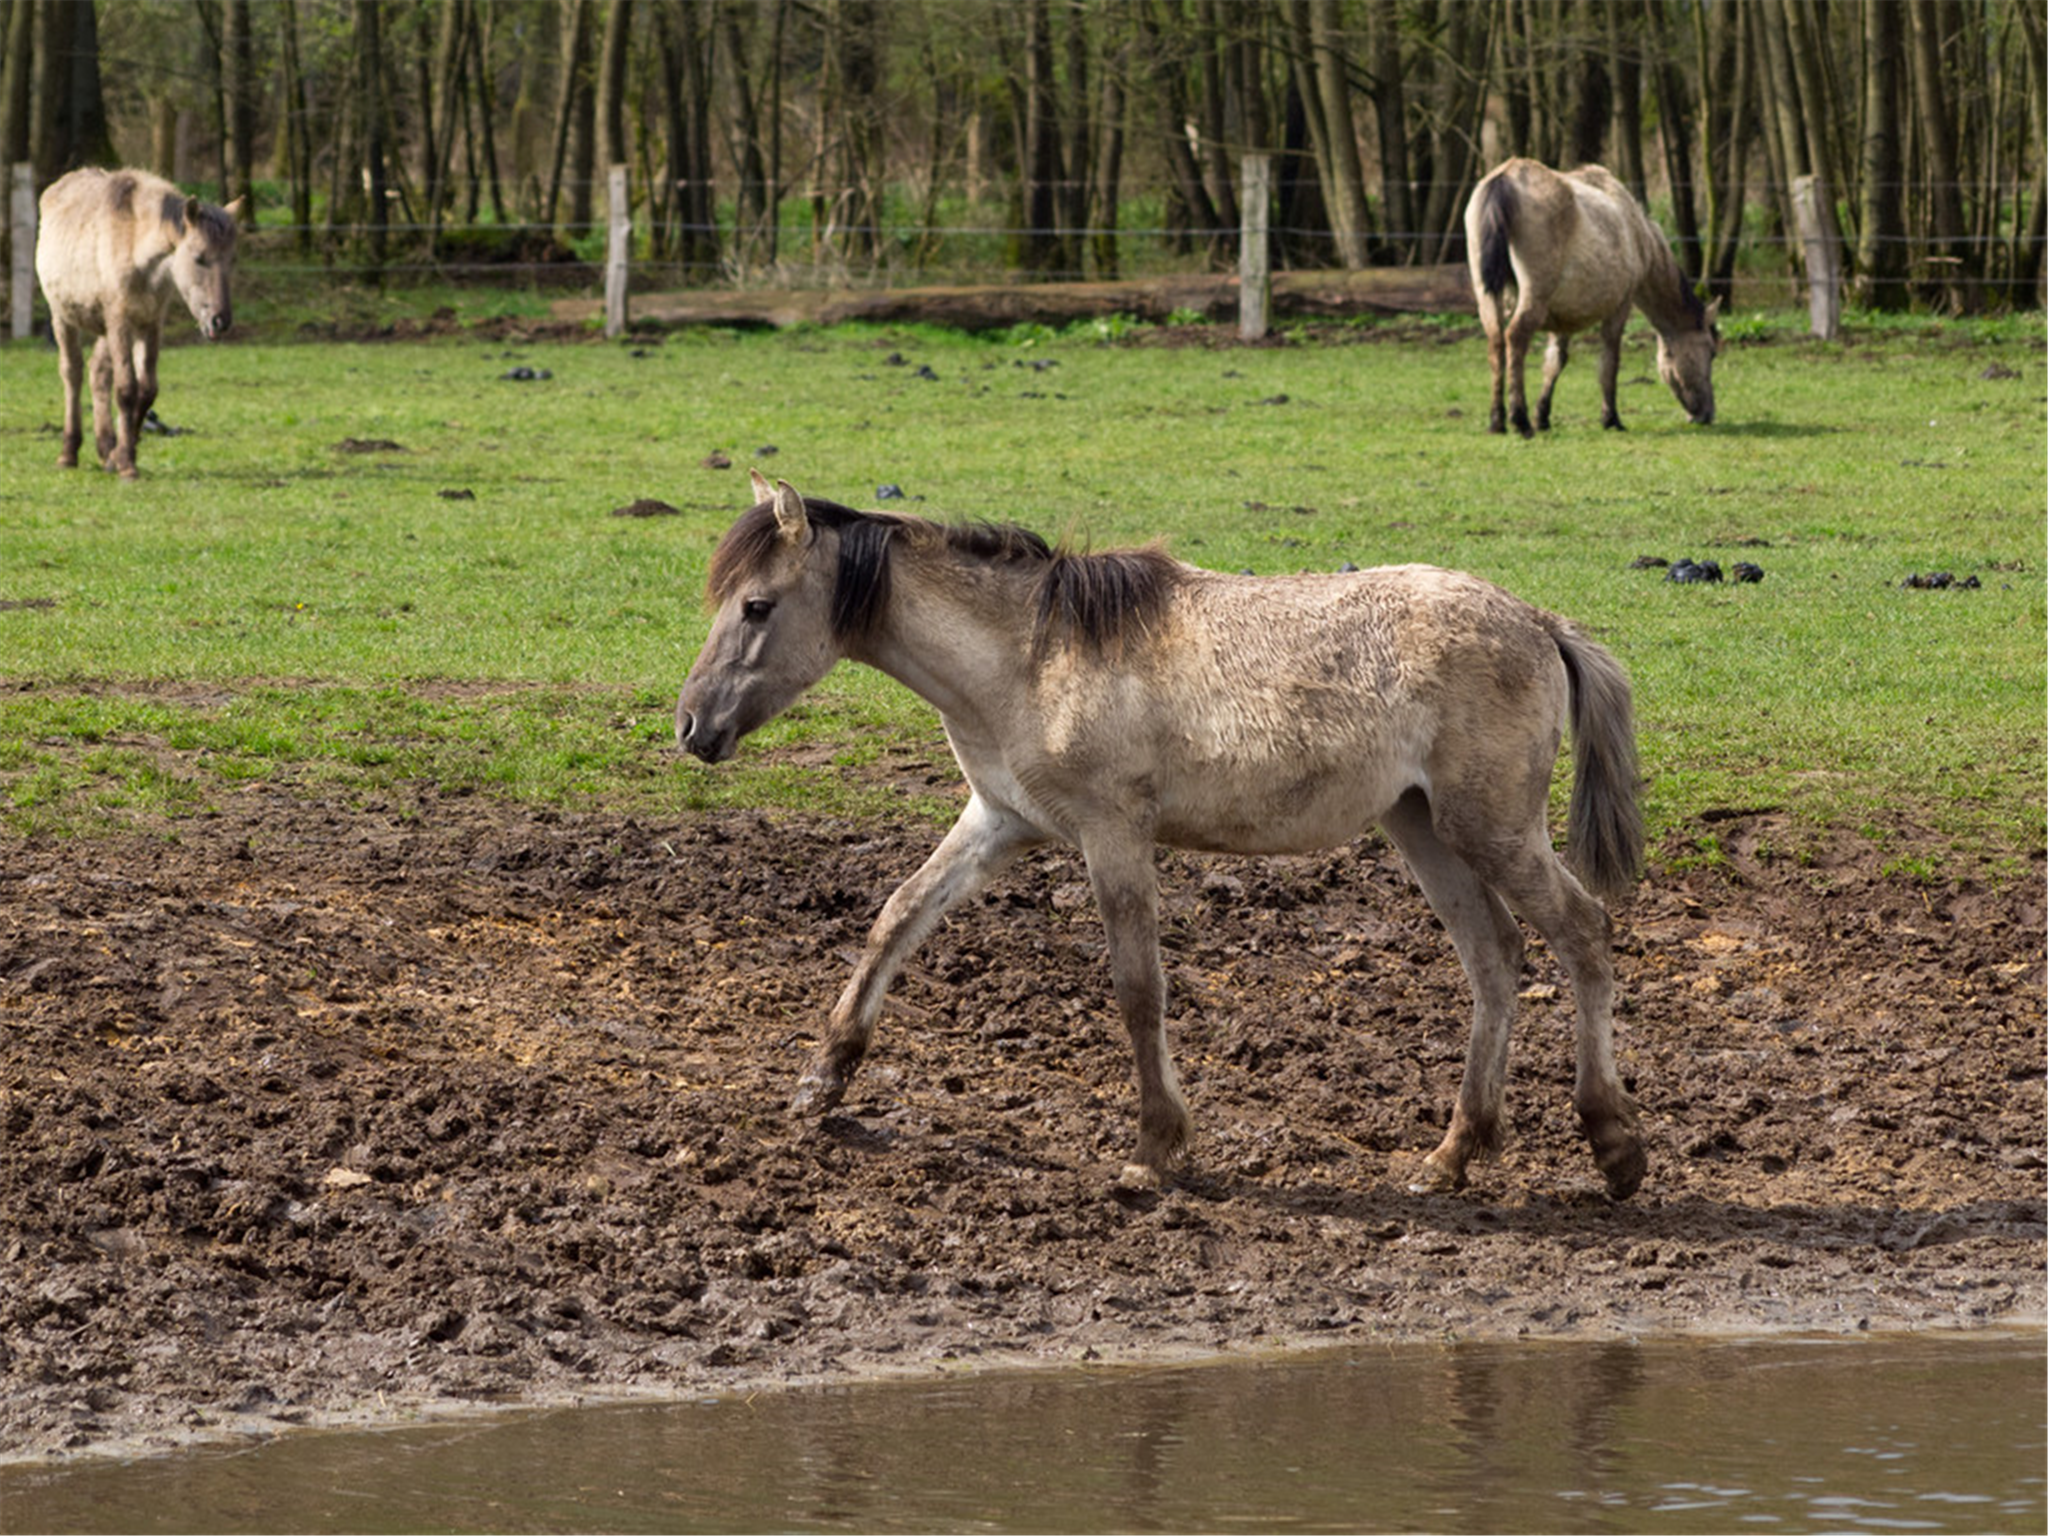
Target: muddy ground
(316, 1112)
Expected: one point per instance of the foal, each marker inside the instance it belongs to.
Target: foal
(1118, 701)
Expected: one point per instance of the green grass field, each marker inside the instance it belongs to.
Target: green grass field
(464, 610)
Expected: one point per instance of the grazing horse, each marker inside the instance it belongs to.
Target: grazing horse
(1122, 700)
(112, 249)
(1579, 251)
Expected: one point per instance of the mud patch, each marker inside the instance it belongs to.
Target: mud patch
(317, 1110)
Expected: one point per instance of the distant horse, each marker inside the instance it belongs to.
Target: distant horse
(1121, 700)
(1579, 251)
(111, 250)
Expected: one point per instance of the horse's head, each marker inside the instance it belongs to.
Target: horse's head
(202, 262)
(1685, 361)
(772, 635)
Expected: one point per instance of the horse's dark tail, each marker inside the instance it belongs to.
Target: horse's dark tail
(1496, 219)
(1604, 826)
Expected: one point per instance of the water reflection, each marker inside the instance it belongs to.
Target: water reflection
(1912, 1434)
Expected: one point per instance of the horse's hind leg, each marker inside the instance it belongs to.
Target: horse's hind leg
(980, 843)
(1610, 368)
(1522, 332)
(71, 368)
(1495, 325)
(1555, 356)
(1489, 945)
(105, 434)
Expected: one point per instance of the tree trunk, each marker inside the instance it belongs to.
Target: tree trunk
(611, 84)
(479, 33)
(1401, 225)
(1343, 174)
(1625, 69)
(296, 132)
(1937, 140)
(1217, 175)
(856, 45)
(571, 92)
(2030, 262)
(1593, 106)
(1076, 192)
(1880, 281)
(238, 87)
(1674, 110)
(1037, 247)
(370, 134)
(1109, 159)
(16, 73)
(754, 202)
(1180, 158)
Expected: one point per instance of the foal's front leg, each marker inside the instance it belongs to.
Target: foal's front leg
(981, 842)
(1127, 891)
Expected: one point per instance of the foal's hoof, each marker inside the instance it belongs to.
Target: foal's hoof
(1623, 1167)
(1435, 1178)
(1138, 1178)
(816, 1095)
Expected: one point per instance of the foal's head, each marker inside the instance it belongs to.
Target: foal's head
(776, 631)
(203, 259)
(1685, 360)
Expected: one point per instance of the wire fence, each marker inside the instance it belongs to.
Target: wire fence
(1988, 267)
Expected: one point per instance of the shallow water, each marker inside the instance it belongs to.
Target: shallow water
(1894, 1434)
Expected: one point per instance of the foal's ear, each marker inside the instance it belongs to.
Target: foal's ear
(790, 515)
(764, 488)
(234, 210)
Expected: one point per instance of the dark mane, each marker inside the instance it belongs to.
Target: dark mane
(1091, 599)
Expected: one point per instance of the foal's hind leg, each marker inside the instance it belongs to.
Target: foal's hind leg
(1529, 875)
(980, 843)
(1127, 891)
(1489, 945)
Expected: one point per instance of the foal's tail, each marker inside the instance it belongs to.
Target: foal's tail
(1496, 220)
(1604, 826)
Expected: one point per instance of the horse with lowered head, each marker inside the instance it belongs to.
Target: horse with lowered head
(112, 249)
(1579, 251)
(1118, 701)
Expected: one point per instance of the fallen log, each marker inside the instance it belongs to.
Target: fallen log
(1211, 296)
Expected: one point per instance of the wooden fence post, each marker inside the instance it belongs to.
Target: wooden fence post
(22, 218)
(618, 246)
(1822, 242)
(1254, 256)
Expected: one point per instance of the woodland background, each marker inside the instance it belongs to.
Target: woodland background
(894, 140)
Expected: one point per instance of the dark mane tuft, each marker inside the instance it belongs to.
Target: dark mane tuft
(1096, 599)
(1089, 599)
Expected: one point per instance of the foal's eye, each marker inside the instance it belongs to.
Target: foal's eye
(755, 610)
